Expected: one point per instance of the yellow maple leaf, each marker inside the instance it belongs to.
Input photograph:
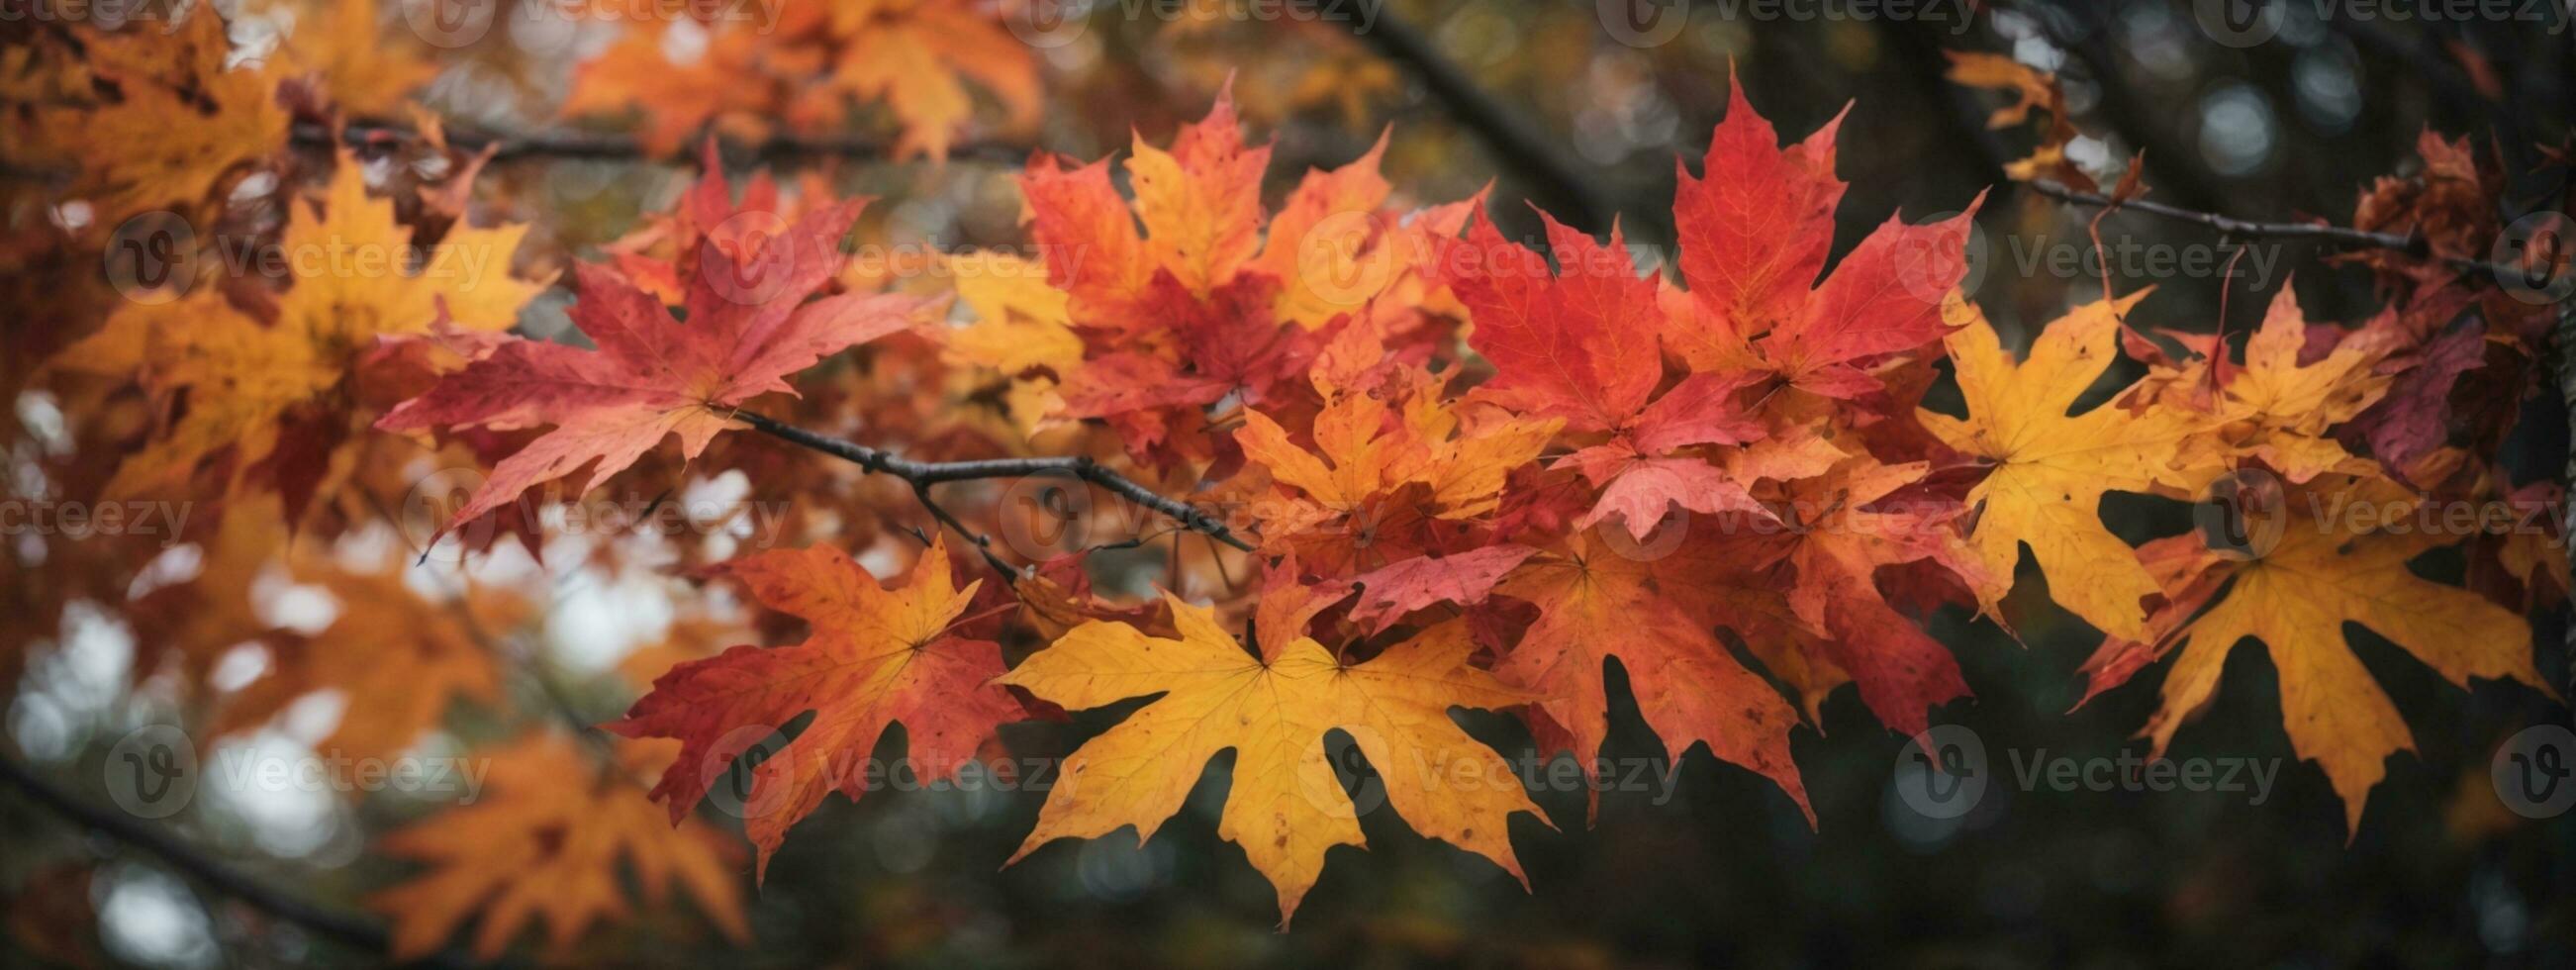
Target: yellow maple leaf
(2050, 468)
(1022, 323)
(912, 55)
(353, 278)
(343, 41)
(180, 124)
(2271, 406)
(1286, 806)
(2338, 560)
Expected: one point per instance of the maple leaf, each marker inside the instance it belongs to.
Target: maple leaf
(877, 656)
(1754, 232)
(1596, 604)
(2343, 545)
(1581, 346)
(364, 75)
(179, 121)
(1285, 805)
(1022, 328)
(651, 375)
(1843, 531)
(1390, 592)
(249, 383)
(912, 55)
(2282, 402)
(808, 64)
(1199, 308)
(727, 76)
(398, 657)
(2050, 467)
(2032, 90)
(1395, 475)
(541, 843)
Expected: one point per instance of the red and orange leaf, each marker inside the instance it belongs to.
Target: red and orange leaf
(1596, 604)
(653, 376)
(878, 655)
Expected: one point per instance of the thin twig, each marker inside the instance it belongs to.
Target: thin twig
(2345, 237)
(573, 143)
(983, 543)
(348, 928)
(923, 474)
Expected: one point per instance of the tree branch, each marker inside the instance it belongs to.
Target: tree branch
(1552, 176)
(922, 475)
(562, 144)
(348, 928)
(2229, 226)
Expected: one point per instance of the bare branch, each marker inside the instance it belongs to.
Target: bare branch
(923, 474)
(560, 144)
(348, 928)
(2231, 227)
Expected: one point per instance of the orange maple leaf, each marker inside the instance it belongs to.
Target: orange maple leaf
(544, 842)
(877, 656)
(1597, 603)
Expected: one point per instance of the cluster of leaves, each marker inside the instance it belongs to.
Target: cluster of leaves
(722, 67)
(1613, 466)
(1473, 474)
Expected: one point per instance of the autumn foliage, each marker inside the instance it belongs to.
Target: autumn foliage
(1432, 466)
